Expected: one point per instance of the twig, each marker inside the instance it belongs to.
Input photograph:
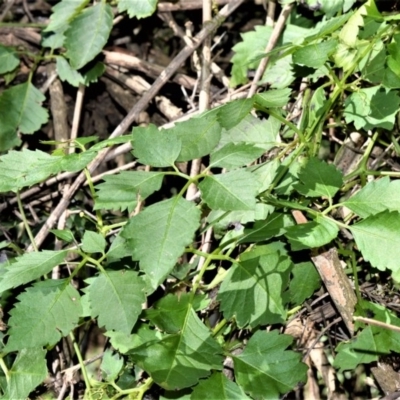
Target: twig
(77, 114)
(132, 115)
(278, 28)
(204, 99)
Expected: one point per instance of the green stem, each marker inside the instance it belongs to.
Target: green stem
(4, 368)
(81, 363)
(25, 222)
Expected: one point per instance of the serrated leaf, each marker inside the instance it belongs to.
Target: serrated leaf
(218, 386)
(251, 130)
(235, 155)
(273, 98)
(275, 225)
(118, 250)
(63, 12)
(67, 74)
(45, 312)
(111, 365)
(169, 313)
(8, 60)
(230, 114)
(372, 342)
(168, 226)
(253, 44)
(374, 197)
(372, 108)
(235, 190)
(319, 179)
(279, 74)
(123, 190)
(265, 369)
(28, 371)
(378, 238)
(180, 360)
(116, 299)
(199, 136)
(252, 290)
(305, 282)
(63, 234)
(94, 24)
(158, 148)
(138, 8)
(25, 168)
(30, 266)
(20, 108)
(93, 242)
(316, 54)
(265, 173)
(311, 234)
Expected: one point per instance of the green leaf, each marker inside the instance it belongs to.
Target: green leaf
(374, 197)
(111, 365)
(235, 190)
(275, 225)
(372, 342)
(373, 64)
(218, 386)
(63, 12)
(8, 60)
(20, 108)
(265, 369)
(230, 114)
(252, 290)
(199, 136)
(94, 24)
(235, 155)
(63, 234)
(279, 74)
(29, 267)
(265, 173)
(305, 282)
(273, 98)
(253, 44)
(311, 234)
(121, 192)
(67, 74)
(168, 226)
(118, 250)
(170, 312)
(116, 298)
(316, 54)
(93, 242)
(378, 238)
(319, 179)
(179, 360)
(251, 130)
(45, 312)
(28, 371)
(372, 108)
(138, 8)
(158, 148)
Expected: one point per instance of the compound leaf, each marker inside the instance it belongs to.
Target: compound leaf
(265, 369)
(116, 298)
(45, 312)
(168, 226)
